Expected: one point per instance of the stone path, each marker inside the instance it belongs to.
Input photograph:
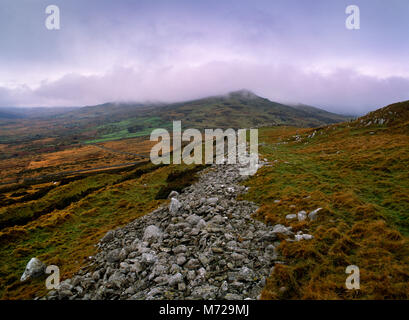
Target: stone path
(204, 245)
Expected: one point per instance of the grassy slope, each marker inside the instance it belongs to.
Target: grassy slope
(359, 176)
(68, 236)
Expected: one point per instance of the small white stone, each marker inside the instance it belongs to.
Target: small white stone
(302, 215)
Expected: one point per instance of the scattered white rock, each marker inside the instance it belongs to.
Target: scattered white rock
(279, 228)
(35, 268)
(300, 236)
(308, 236)
(313, 214)
(230, 190)
(302, 215)
(305, 236)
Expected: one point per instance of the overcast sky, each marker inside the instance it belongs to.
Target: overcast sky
(287, 50)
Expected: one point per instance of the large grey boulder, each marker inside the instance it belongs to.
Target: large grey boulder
(152, 234)
(148, 258)
(180, 249)
(35, 268)
(174, 206)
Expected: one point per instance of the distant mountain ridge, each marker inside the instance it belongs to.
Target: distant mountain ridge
(6, 115)
(32, 112)
(238, 109)
(113, 121)
(321, 112)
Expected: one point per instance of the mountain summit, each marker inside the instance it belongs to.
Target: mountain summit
(242, 109)
(243, 93)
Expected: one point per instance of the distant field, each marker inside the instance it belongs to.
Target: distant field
(130, 128)
(71, 158)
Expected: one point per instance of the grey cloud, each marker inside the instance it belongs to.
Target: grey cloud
(183, 49)
(343, 90)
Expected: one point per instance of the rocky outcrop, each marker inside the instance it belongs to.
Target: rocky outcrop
(203, 245)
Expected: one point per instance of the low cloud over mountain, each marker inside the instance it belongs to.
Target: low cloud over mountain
(343, 90)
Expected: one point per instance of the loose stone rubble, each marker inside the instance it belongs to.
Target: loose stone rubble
(204, 245)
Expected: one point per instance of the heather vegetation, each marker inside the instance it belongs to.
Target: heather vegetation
(59, 196)
(63, 226)
(357, 172)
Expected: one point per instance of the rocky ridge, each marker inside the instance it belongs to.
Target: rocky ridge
(203, 245)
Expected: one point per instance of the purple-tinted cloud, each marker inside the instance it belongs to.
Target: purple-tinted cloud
(285, 50)
(341, 90)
